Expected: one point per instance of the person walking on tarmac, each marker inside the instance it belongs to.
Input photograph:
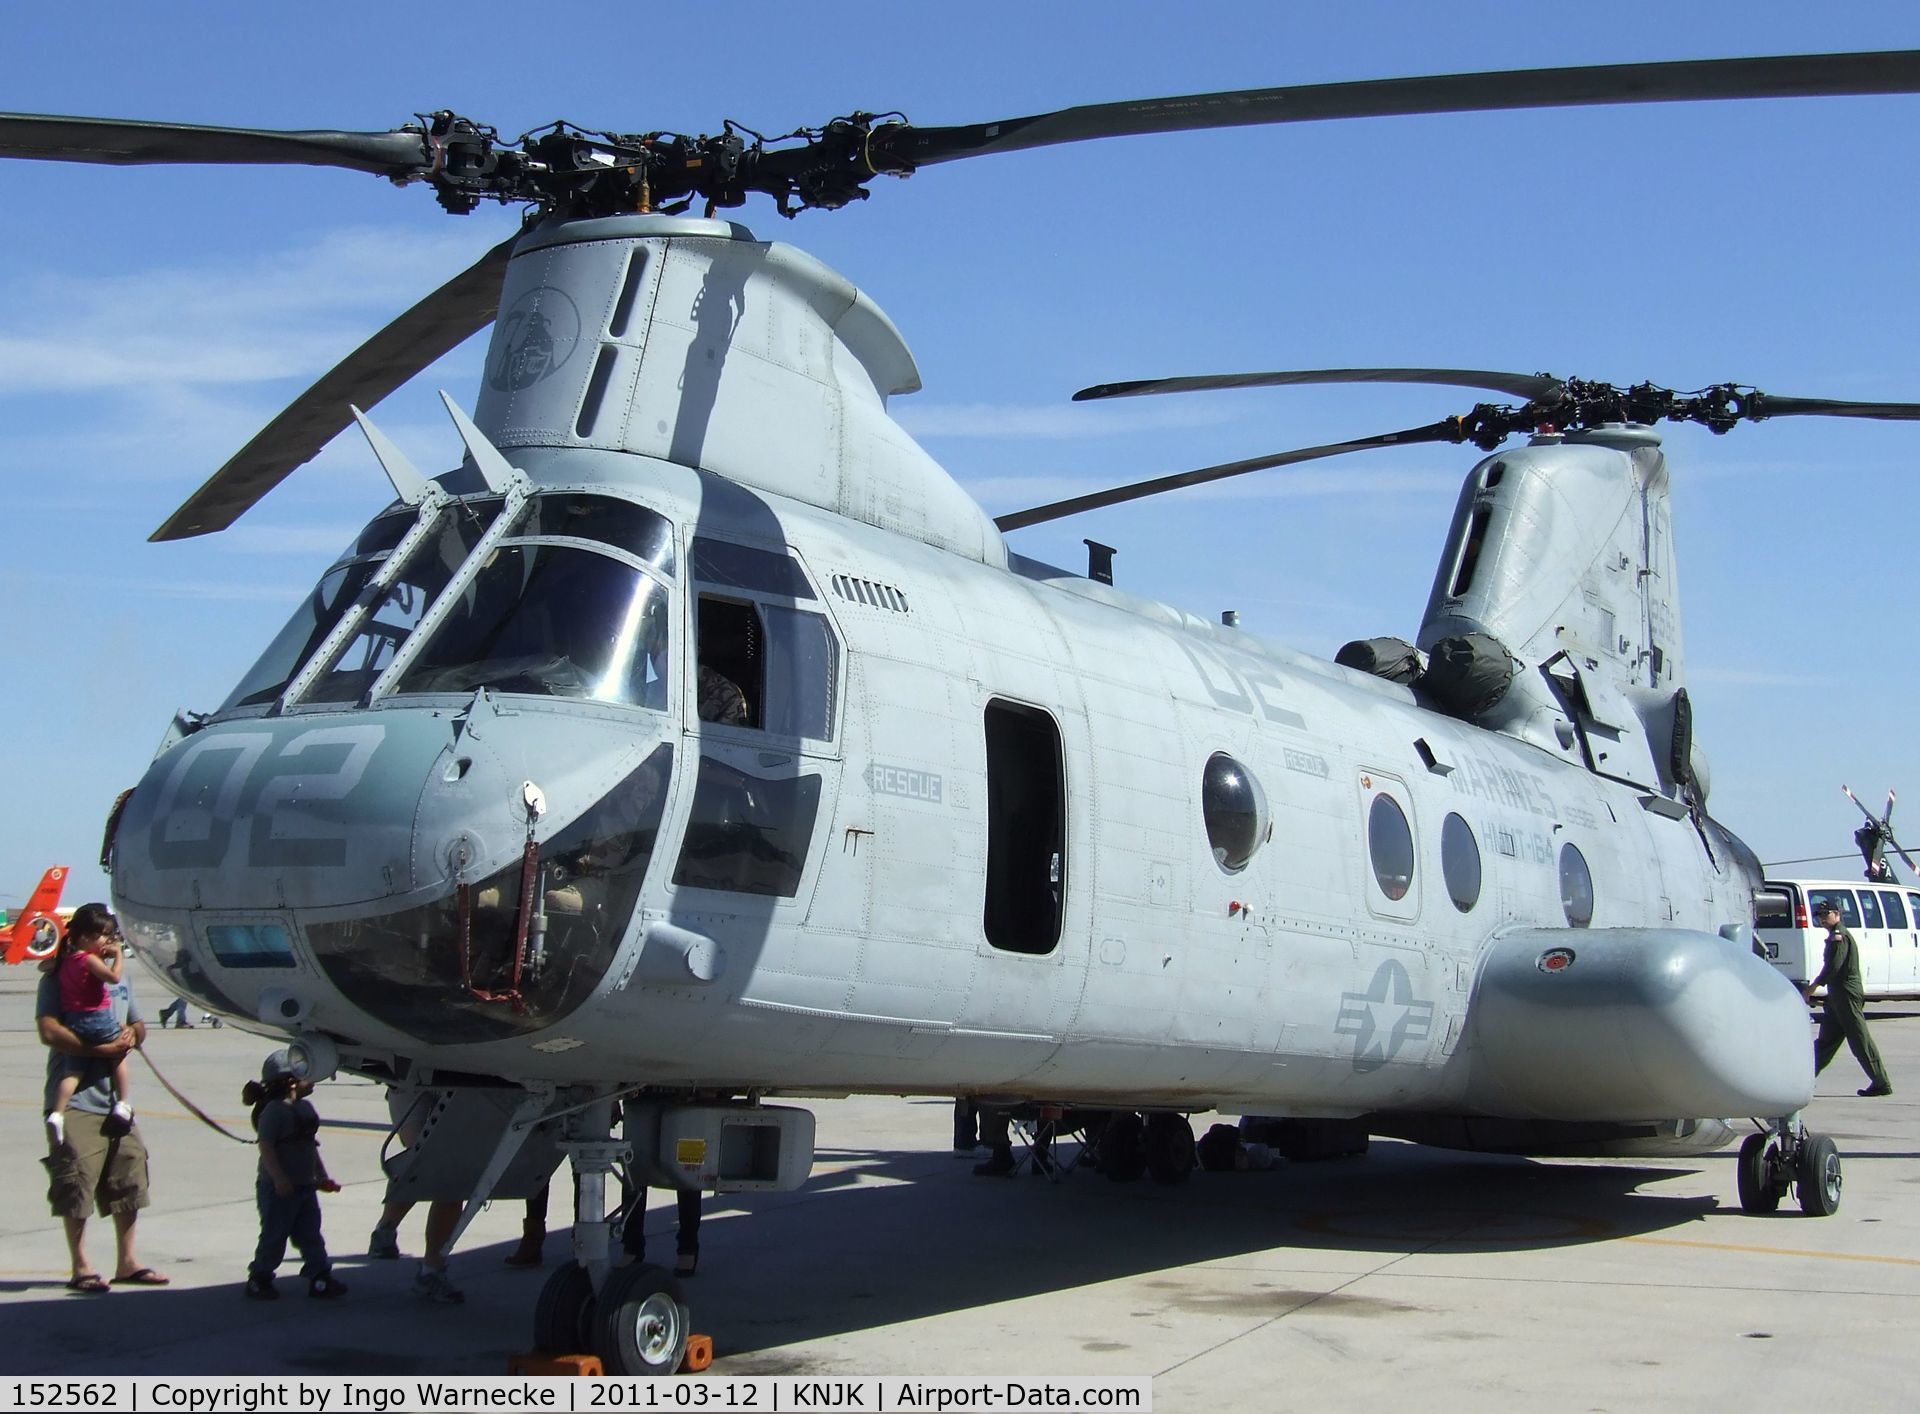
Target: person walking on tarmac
(1845, 1016)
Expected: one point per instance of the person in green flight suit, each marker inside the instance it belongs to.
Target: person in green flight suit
(1845, 1016)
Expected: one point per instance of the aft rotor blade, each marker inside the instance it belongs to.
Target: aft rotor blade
(1785, 76)
(460, 308)
(126, 142)
(1444, 431)
(1533, 387)
(1761, 406)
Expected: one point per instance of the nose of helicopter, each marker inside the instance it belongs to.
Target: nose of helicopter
(307, 812)
(401, 847)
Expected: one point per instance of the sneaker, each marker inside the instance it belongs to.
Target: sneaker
(430, 1285)
(57, 1130)
(384, 1244)
(122, 1111)
(261, 1288)
(326, 1288)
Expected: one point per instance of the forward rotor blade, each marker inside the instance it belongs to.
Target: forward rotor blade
(1447, 430)
(1530, 386)
(125, 142)
(458, 309)
(1761, 406)
(1786, 76)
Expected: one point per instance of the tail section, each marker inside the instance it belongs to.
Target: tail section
(36, 932)
(1560, 574)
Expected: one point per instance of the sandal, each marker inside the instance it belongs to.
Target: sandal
(146, 1276)
(88, 1285)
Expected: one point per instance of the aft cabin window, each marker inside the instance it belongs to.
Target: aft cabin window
(1390, 844)
(1026, 829)
(763, 662)
(1576, 887)
(1460, 862)
(1235, 811)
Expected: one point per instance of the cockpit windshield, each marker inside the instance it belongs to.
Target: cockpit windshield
(314, 619)
(433, 563)
(553, 619)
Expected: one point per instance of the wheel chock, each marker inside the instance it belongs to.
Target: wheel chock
(699, 1354)
(542, 1362)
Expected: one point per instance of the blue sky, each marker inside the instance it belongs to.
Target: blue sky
(152, 319)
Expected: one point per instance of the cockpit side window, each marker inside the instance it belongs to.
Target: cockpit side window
(763, 663)
(433, 563)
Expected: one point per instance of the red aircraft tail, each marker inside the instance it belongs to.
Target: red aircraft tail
(36, 932)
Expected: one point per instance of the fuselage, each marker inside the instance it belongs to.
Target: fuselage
(643, 771)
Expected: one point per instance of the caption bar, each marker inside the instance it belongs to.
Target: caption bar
(768, 1394)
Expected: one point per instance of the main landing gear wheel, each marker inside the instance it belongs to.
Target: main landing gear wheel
(1170, 1152)
(1817, 1175)
(563, 1316)
(1123, 1147)
(1763, 1177)
(640, 1323)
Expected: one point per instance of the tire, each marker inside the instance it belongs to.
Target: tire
(563, 1315)
(1817, 1175)
(1123, 1148)
(640, 1323)
(1758, 1194)
(1170, 1153)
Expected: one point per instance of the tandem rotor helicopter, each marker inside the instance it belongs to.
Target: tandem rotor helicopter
(697, 741)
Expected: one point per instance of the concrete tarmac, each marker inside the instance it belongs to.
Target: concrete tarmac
(1409, 1276)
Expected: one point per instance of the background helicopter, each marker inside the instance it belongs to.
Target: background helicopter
(1618, 243)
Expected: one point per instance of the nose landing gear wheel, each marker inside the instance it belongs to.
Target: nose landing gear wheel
(1817, 1175)
(563, 1315)
(1759, 1171)
(640, 1323)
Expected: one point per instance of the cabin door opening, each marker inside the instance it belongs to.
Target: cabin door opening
(1026, 829)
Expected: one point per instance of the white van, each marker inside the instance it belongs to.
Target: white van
(1883, 918)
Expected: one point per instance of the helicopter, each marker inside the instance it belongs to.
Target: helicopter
(1875, 837)
(34, 933)
(697, 741)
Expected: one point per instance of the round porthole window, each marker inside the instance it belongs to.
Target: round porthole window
(1460, 862)
(1235, 809)
(1390, 843)
(1576, 887)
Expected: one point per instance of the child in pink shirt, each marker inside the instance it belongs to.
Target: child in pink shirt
(86, 966)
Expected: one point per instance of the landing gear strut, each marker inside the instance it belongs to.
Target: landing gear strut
(633, 1317)
(1789, 1155)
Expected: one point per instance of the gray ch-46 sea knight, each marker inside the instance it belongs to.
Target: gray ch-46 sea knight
(697, 740)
